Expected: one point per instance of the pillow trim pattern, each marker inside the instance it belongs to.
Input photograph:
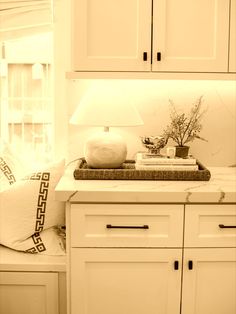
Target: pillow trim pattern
(39, 245)
(44, 177)
(6, 170)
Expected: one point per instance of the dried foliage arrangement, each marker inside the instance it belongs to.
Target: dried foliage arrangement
(184, 128)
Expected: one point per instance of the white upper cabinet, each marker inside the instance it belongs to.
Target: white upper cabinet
(190, 36)
(232, 52)
(152, 36)
(111, 35)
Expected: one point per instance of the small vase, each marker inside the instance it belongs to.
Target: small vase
(181, 151)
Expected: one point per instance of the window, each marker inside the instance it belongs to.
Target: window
(30, 111)
(26, 97)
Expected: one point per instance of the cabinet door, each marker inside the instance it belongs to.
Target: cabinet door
(210, 286)
(111, 35)
(232, 43)
(192, 36)
(125, 281)
(27, 293)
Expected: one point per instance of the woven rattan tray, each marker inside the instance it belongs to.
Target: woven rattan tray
(128, 172)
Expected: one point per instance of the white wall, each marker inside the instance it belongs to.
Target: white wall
(152, 100)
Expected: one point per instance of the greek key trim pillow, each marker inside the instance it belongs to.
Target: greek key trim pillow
(11, 168)
(28, 207)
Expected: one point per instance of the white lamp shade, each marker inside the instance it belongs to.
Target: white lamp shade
(106, 104)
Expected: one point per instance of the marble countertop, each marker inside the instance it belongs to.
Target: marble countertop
(220, 189)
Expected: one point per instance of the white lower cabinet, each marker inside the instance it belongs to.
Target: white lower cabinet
(209, 268)
(127, 258)
(125, 281)
(209, 281)
(28, 293)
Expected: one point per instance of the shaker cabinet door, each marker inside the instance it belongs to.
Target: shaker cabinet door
(209, 281)
(125, 281)
(190, 36)
(28, 292)
(111, 35)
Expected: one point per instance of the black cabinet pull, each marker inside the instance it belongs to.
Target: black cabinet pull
(176, 265)
(190, 265)
(127, 227)
(224, 227)
(159, 56)
(145, 56)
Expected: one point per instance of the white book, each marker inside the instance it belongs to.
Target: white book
(167, 167)
(146, 159)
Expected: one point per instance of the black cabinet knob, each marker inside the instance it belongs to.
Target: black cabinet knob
(158, 56)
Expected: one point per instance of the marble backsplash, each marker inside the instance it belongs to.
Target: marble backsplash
(151, 98)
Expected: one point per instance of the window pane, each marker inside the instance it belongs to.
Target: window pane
(30, 112)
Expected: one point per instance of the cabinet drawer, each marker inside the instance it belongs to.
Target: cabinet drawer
(126, 225)
(210, 226)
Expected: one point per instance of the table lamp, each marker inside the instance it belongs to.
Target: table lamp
(105, 105)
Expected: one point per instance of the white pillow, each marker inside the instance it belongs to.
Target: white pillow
(11, 168)
(47, 242)
(28, 207)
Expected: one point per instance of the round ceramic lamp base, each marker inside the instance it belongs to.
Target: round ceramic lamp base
(105, 150)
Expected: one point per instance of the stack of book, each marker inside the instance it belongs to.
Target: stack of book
(145, 161)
